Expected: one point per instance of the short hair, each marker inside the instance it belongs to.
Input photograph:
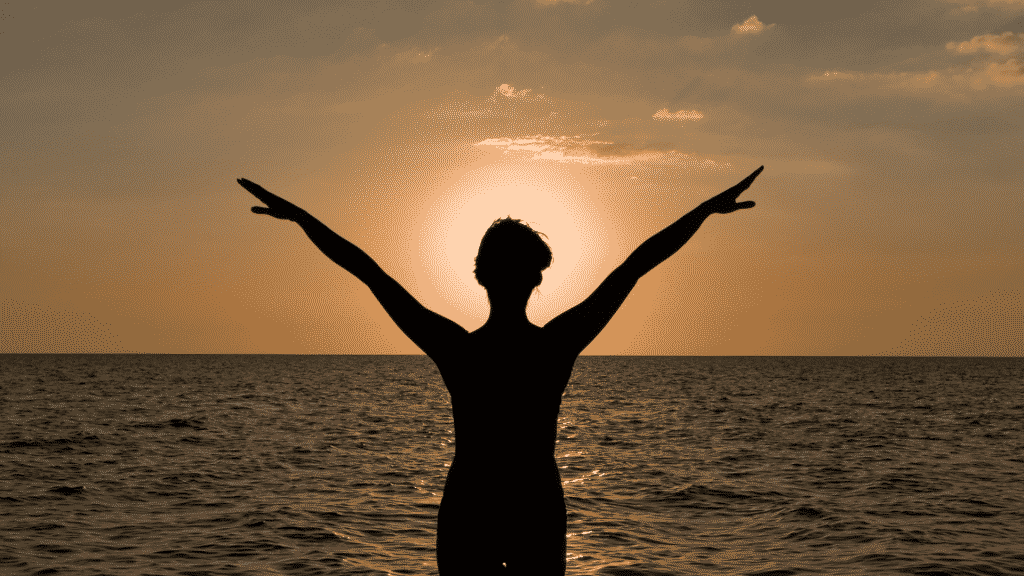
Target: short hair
(511, 252)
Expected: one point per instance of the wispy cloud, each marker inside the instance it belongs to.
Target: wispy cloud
(972, 4)
(1003, 44)
(584, 149)
(992, 71)
(998, 74)
(895, 80)
(517, 106)
(512, 94)
(1003, 74)
(414, 56)
(751, 26)
(680, 116)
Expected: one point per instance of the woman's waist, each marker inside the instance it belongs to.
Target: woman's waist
(533, 453)
(505, 478)
(486, 460)
(503, 464)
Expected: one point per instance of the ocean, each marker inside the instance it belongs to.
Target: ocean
(769, 466)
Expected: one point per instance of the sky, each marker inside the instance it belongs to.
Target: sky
(888, 217)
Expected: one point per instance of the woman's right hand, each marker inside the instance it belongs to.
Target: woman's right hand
(276, 206)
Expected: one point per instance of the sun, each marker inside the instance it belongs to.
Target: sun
(550, 201)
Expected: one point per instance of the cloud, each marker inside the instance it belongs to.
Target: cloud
(1003, 44)
(980, 75)
(972, 4)
(511, 93)
(681, 115)
(522, 110)
(414, 56)
(575, 149)
(1002, 74)
(583, 149)
(932, 80)
(750, 26)
(950, 82)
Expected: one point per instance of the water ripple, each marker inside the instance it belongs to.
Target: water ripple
(335, 465)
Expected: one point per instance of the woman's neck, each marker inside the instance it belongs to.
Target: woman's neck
(507, 317)
(508, 309)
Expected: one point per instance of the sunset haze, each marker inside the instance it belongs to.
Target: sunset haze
(889, 217)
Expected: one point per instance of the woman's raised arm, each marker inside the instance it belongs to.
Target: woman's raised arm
(433, 333)
(578, 326)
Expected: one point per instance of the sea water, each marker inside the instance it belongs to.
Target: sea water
(132, 464)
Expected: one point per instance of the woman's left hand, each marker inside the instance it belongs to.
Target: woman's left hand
(276, 206)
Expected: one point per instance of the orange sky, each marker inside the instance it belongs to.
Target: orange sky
(888, 218)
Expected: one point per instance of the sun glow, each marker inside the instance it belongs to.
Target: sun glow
(551, 202)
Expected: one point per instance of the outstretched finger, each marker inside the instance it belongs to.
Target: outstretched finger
(749, 179)
(747, 204)
(745, 183)
(256, 190)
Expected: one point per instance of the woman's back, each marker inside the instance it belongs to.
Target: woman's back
(506, 387)
(503, 501)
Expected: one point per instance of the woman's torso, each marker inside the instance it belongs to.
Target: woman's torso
(506, 390)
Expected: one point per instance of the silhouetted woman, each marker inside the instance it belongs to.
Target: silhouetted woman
(503, 510)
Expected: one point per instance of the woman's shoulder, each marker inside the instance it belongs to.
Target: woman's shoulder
(488, 347)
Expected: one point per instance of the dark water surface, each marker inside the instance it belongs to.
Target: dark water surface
(335, 465)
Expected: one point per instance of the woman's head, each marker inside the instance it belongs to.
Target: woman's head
(511, 254)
